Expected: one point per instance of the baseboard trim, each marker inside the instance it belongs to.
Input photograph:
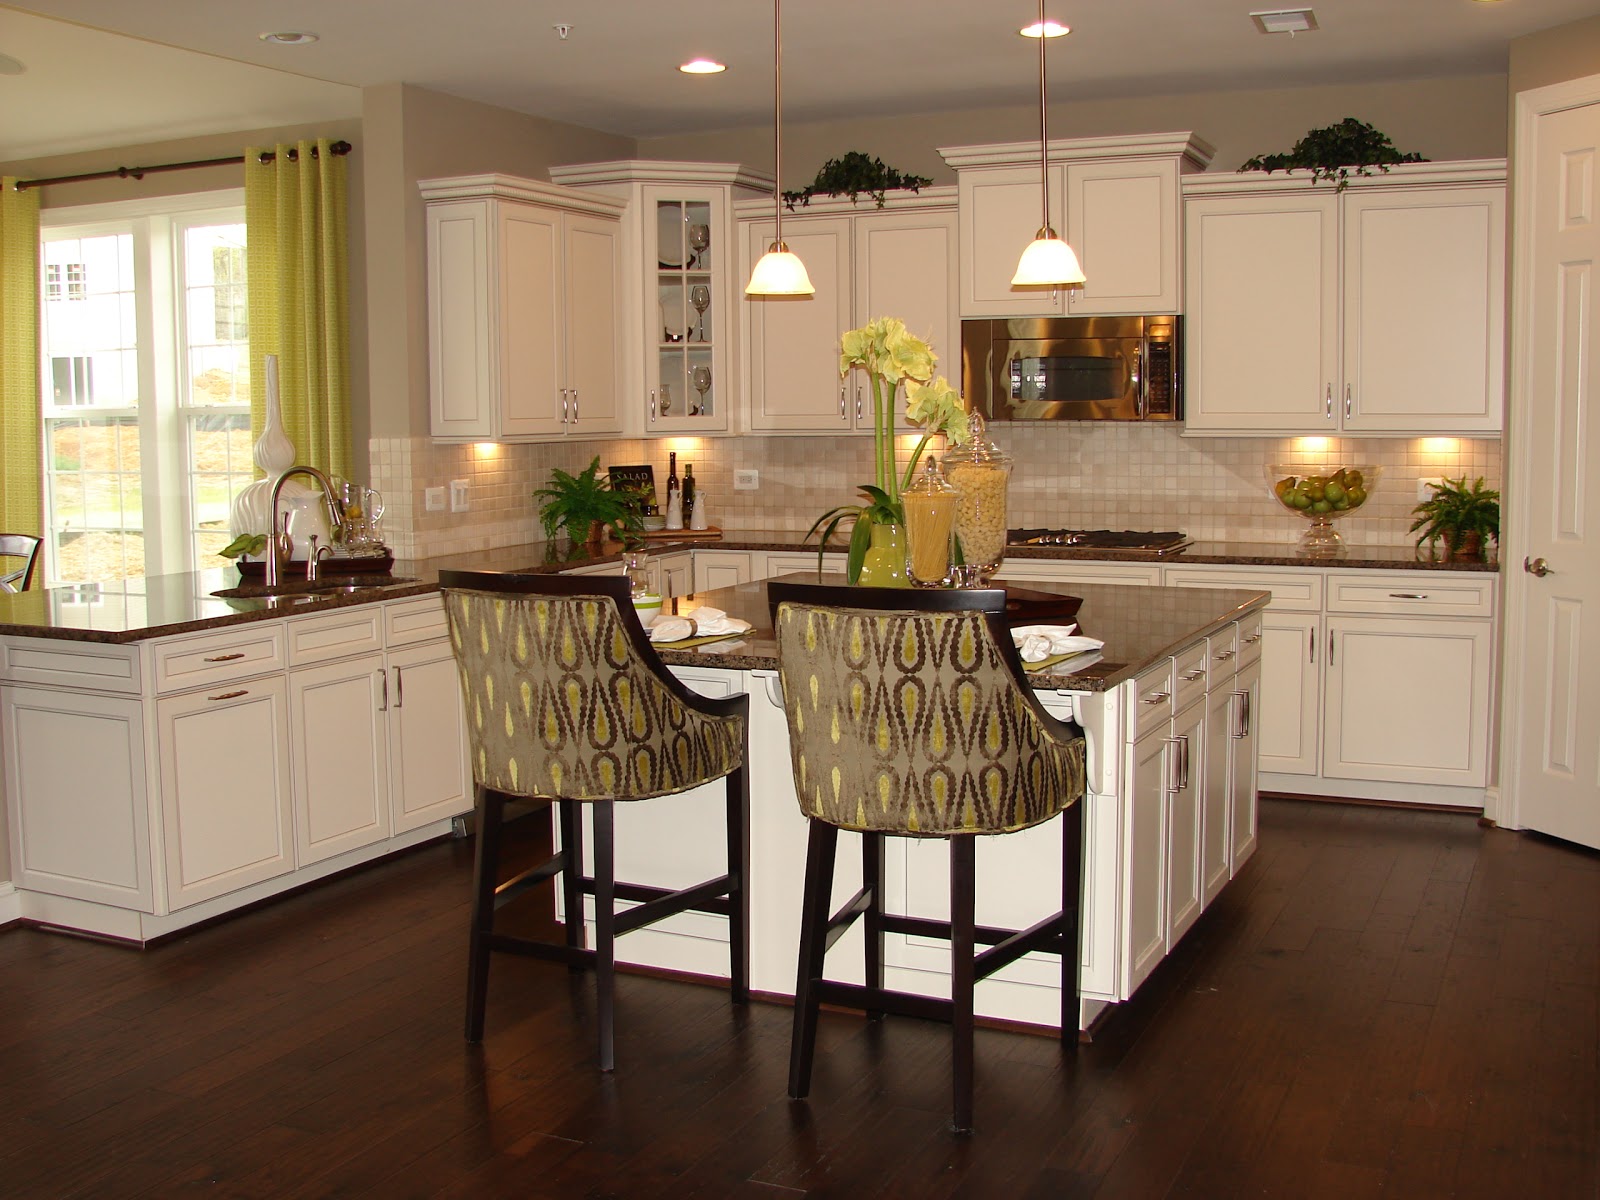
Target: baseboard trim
(10, 904)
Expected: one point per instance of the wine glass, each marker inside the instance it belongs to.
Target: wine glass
(700, 297)
(700, 377)
(699, 239)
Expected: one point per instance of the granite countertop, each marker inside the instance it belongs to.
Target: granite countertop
(1139, 625)
(132, 610)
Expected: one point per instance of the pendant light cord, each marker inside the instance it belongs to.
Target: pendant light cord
(1044, 136)
(777, 117)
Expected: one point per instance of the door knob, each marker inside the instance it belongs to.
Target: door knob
(1536, 566)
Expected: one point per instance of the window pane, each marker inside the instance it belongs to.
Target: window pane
(96, 497)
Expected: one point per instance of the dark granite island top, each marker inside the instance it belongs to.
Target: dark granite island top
(1139, 625)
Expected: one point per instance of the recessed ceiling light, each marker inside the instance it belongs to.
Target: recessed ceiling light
(1050, 29)
(11, 66)
(702, 66)
(1285, 20)
(289, 37)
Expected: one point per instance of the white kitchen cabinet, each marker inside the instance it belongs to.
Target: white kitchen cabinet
(224, 763)
(720, 568)
(1185, 805)
(900, 262)
(1373, 684)
(666, 336)
(1021, 570)
(1146, 776)
(1217, 769)
(524, 310)
(338, 726)
(671, 574)
(1243, 766)
(1376, 311)
(430, 777)
(790, 562)
(1115, 201)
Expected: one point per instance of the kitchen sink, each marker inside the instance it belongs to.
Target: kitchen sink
(299, 591)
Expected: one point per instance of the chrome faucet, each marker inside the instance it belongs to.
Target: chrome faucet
(278, 539)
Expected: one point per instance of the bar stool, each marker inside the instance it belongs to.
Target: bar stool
(910, 716)
(567, 701)
(26, 547)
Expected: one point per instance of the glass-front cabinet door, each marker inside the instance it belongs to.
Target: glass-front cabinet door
(688, 371)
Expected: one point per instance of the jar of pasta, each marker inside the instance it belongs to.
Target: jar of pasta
(930, 507)
(980, 472)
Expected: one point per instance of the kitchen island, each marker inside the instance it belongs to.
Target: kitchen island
(170, 756)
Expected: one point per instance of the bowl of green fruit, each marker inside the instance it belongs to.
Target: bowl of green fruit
(1322, 495)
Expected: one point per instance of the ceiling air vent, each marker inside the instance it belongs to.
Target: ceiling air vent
(1285, 20)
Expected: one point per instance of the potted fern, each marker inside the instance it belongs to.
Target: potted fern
(586, 505)
(1464, 517)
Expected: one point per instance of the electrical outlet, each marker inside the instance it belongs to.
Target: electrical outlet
(746, 479)
(433, 499)
(1424, 488)
(458, 495)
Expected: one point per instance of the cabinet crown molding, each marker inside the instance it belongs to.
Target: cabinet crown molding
(511, 187)
(646, 170)
(1195, 152)
(929, 198)
(1299, 181)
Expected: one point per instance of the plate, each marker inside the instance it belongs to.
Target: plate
(671, 228)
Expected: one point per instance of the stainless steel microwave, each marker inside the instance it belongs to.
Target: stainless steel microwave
(1074, 368)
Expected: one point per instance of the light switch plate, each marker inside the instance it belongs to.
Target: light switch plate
(1424, 491)
(433, 499)
(746, 479)
(458, 495)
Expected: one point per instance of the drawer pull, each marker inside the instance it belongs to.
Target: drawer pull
(224, 657)
(231, 695)
(1156, 698)
(1224, 655)
(1408, 595)
(1197, 673)
(1252, 639)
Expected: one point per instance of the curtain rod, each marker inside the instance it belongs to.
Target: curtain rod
(266, 156)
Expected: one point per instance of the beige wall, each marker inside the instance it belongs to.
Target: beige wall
(417, 134)
(1439, 118)
(1556, 55)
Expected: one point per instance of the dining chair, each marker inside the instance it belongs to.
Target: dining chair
(26, 547)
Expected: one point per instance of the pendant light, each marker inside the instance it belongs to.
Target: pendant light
(1048, 261)
(778, 272)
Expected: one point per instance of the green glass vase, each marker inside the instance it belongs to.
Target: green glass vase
(885, 562)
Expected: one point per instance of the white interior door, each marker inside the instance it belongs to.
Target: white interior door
(1552, 705)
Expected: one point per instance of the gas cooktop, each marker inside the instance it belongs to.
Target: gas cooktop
(1164, 542)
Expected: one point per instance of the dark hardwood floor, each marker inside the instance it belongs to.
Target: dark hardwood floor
(1385, 1003)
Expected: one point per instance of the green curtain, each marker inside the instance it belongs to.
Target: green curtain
(298, 263)
(21, 497)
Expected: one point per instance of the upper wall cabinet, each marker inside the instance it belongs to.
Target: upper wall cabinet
(524, 311)
(681, 291)
(865, 263)
(1115, 200)
(1379, 310)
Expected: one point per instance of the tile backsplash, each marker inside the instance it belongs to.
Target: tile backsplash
(1078, 475)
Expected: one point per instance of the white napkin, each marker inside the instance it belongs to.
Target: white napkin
(1035, 643)
(702, 622)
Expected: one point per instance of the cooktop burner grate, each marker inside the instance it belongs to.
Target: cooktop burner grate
(1099, 539)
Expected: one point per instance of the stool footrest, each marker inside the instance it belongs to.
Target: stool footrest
(549, 951)
(657, 903)
(535, 875)
(1045, 936)
(986, 935)
(839, 924)
(903, 1004)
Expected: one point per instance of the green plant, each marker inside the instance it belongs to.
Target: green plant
(1330, 153)
(576, 503)
(1455, 511)
(853, 174)
(245, 543)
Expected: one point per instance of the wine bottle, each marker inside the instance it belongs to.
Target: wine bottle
(688, 492)
(672, 475)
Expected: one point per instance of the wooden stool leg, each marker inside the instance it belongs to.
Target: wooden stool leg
(962, 942)
(605, 915)
(1071, 905)
(818, 894)
(486, 865)
(571, 820)
(872, 864)
(738, 785)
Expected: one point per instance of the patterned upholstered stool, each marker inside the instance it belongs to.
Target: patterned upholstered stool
(567, 701)
(909, 716)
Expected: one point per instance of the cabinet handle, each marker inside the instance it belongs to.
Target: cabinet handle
(1252, 639)
(399, 689)
(1347, 404)
(858, 404)
(1197, 673)
(563, 406)
(230, 695)
(1311, 657)
(1172, 764)
(1408, 595)
(1330, 402)
(652, 406)
(1156, 698)
(1241, 715)
(383, 705)
(1224, 655)
(1183, 761)
(224, 657)
(842, 415)
(1330, 648)
(574, 406)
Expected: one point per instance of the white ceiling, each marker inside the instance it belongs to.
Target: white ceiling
(616, 71)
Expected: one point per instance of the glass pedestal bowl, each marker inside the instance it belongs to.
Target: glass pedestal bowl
(1322, 495)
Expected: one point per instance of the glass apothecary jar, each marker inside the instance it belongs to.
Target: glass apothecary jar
(981, 473)
(930, 507)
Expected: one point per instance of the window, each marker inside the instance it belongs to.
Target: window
(145, 363)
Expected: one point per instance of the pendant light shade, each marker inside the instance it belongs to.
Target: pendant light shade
(778, 272)
(1047, 261)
